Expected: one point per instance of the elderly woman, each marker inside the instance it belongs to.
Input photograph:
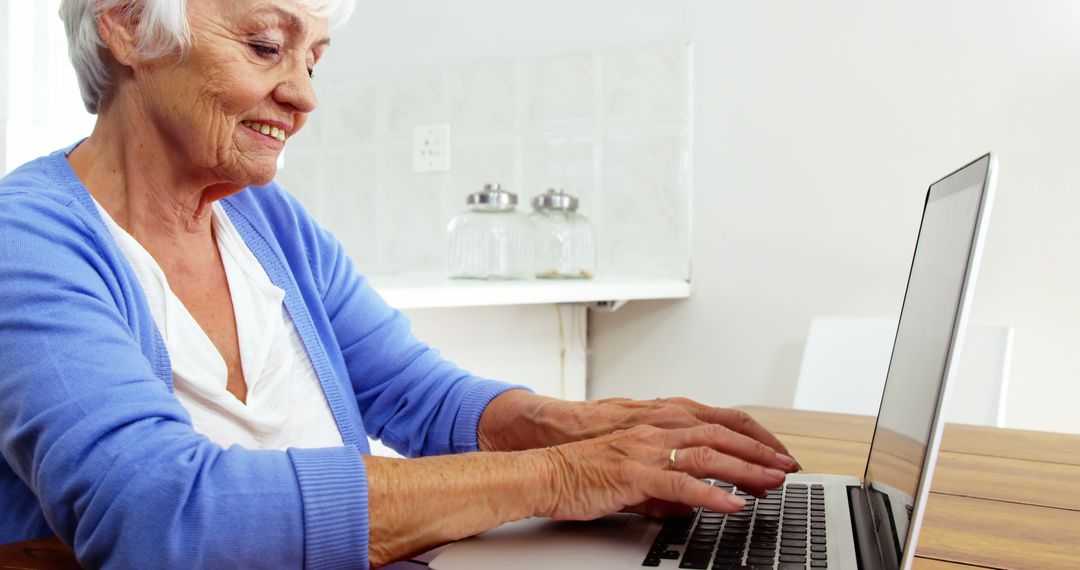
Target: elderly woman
(189, 364)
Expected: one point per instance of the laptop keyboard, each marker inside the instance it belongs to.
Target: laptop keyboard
(784, 530)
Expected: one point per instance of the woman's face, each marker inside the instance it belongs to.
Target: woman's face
(244, 89)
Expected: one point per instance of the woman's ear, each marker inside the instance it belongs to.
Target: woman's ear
(117, 29)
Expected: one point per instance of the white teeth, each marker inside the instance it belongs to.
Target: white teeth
(267, 130)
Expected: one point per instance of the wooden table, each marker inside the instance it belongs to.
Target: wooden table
(1001, 498)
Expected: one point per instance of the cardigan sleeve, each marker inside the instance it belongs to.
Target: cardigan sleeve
(411, 398)
(108, 451)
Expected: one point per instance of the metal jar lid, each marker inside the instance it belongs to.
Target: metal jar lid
(492, 198)
(555, 199)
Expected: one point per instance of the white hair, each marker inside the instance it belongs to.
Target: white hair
(161, 29)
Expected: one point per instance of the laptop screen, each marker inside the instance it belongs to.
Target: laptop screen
(929, 320)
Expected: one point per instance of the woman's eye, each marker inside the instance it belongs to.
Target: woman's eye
(264, 50)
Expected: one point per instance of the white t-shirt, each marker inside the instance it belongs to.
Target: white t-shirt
(286, 406)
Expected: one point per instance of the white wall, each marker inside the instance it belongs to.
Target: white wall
(818, 127)
(40, 94)
(540, 346)
(5, 49)
(827, 121)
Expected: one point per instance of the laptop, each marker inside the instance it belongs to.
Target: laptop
(814, 520)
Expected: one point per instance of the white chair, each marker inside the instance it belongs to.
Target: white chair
(846, 360)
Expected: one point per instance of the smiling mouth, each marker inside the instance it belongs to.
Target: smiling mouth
(268, 130)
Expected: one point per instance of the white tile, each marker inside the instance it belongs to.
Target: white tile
(481, 161)
(482, 99)
(350, 203)
(566, 162)
(528, 125)
(309, 137)
(647, 85)
(559, 92)
(644, 223)
(412, 100)
(349, 112)
(302, 176)
(412, 222)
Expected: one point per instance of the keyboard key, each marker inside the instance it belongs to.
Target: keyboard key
(670, 555)
(651, 562)
(735, 540)
(793, 551)
(819, 564)
(817, 548)
(792, 544)
(817, 540)
(695, 559)
(795, 559)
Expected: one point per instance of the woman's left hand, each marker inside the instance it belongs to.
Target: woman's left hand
(538, 421)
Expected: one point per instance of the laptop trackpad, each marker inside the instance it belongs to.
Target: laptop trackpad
(611, 541)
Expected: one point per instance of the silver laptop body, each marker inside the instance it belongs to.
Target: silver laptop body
(872, 523)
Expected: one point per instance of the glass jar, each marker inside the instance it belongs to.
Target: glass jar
(564, 247)
(490, 240)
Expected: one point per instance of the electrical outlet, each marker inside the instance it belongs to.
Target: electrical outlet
(431, 148)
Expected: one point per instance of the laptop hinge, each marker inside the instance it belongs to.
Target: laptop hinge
(867, 549)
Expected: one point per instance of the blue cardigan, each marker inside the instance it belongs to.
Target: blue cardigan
(95, 448)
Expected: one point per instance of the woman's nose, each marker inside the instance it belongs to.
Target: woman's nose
(297, 91)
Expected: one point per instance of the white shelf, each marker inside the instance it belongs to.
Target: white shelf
(431, 291)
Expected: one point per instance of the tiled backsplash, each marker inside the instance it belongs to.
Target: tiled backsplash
(611, 128)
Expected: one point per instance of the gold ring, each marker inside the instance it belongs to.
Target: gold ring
(671, 459)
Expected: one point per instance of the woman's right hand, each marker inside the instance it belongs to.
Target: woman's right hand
(630, 469)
